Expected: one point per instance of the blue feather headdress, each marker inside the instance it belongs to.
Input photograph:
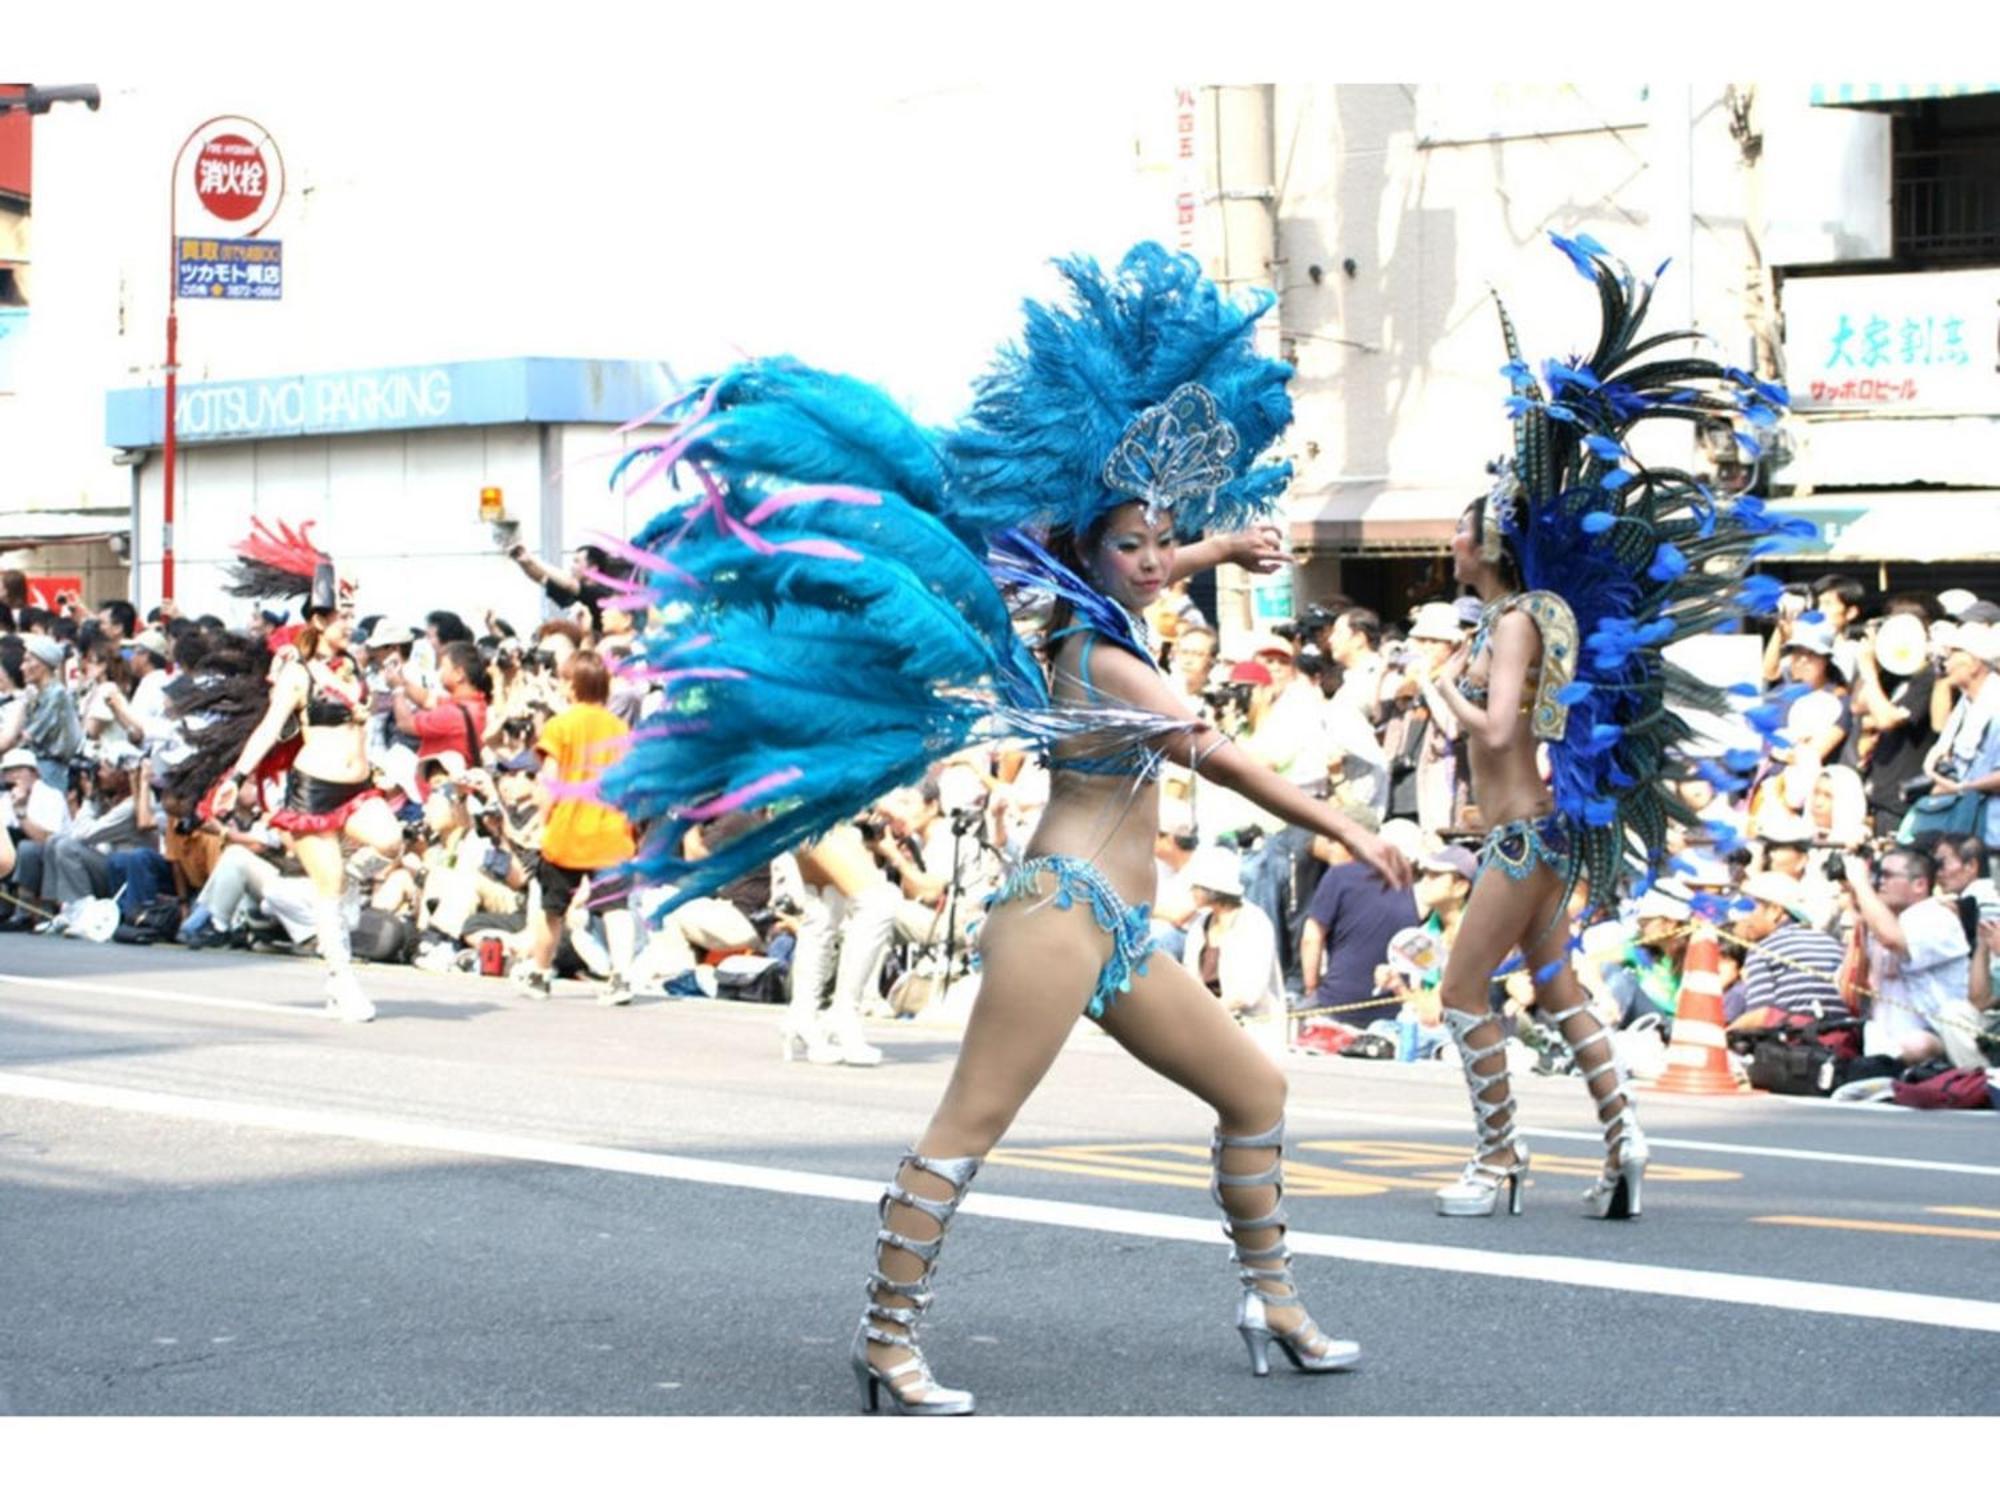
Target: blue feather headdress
(1643, 556)
(830, 618)
(1146, 387)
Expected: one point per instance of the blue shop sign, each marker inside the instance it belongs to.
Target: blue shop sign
(235, 270)
(466, 393)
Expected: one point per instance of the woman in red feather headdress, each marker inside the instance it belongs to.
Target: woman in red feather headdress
(317, 695)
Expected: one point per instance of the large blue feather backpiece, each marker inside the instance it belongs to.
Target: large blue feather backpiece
(829, 616)
(1643, 556)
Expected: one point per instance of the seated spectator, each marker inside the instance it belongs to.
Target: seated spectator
(33, 814)
(1352, 916)
(44, 716)
(1964, 871)
(1788, 964)
(687, 940)
(1233, 949)
(1915, 961)
(106, 674)
(1785, 847)
(463, 871)
(1415, 959)
(112, 846)
(1645, 978)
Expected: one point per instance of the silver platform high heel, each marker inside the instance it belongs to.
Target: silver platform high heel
(1476, 1194)
(910, 1388)
(1615, 1194)
(1270, 1266)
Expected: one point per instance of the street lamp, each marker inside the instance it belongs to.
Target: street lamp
(37, 101)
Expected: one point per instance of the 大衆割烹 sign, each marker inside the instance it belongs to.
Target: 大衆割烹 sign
(1922, 342)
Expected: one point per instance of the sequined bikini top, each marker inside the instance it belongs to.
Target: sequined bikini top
(1549, 676)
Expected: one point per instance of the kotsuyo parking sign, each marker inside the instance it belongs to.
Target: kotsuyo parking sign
(231, 177)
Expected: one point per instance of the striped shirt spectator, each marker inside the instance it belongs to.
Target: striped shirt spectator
(1793, 969)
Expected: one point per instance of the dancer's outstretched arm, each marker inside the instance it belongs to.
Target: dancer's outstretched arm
(1201, 747)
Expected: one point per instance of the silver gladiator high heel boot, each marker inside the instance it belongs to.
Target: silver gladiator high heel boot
(1615, 1194)
(1477, 1192)
(910, 1388)
(1266, 1270)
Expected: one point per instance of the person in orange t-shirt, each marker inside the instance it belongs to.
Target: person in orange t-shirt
(582, 836)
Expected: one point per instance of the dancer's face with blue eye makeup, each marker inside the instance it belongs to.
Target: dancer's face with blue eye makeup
(1134, 558)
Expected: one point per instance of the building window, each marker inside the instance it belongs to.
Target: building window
(1946, 174)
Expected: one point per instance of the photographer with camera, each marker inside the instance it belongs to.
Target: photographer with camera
(1835, 600)
(451, 718)
(1911, 953)
(1964, 764)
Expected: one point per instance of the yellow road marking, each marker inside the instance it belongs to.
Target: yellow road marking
(1366, 1169)
(1878, 1226)
(1440, 1161)
(1967, 1213)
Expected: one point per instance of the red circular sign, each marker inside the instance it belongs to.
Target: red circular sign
(231, 177)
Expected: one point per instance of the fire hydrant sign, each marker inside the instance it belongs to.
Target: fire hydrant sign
(231, 178)
(232, 269)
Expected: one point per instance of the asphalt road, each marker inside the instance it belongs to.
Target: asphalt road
(213, 1201)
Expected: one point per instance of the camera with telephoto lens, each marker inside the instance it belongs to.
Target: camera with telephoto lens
(1231, 695)
(1914, 787)
(1835, 867)
(966, 820)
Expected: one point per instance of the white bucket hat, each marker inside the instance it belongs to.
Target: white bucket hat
(1217, 869)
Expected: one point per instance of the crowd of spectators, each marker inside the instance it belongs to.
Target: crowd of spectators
(1836, 907)
(1841, 903)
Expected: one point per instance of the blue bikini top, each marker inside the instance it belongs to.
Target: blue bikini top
(1137, 761)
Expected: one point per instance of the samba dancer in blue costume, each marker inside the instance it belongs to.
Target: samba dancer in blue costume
(837, 623)
(1589, 562)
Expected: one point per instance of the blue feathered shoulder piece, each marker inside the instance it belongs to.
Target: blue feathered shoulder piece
(1642, 555)
(1146, 386)
(825, 624)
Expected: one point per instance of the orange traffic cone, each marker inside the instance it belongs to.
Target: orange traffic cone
(1698, 1060)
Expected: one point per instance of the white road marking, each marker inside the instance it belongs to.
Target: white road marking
(1675, 1143)
(313, 1008)
(1666, 1281)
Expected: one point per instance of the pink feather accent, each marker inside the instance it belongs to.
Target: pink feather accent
(730, 801)
(639, 557)
(845, 494)
(668, 730)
